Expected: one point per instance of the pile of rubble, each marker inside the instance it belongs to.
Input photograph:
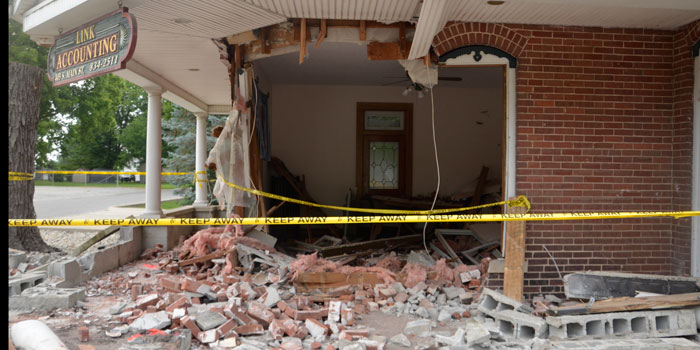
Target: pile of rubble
(218, 291)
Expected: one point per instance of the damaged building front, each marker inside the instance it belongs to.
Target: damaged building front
(392, 107)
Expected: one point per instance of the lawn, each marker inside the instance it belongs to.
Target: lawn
(164, 185)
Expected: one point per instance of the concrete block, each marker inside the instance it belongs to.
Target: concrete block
(626, 344)
(638, 324)
(492, 302)
(476, 333)
(46, 298)
(130, 248)
(69, 270)
(104, 260)
(16, 257)
(20, 282)
(520, 325)
(168, 236)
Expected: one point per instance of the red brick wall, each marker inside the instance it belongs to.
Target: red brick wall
(683, 41)
(601, 126)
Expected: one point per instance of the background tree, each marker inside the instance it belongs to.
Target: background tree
(50, 128)
(179, 132)
(24, 97)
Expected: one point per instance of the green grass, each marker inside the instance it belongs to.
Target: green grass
(165, 205)
(164, 186)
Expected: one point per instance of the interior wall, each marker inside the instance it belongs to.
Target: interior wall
(313, 133)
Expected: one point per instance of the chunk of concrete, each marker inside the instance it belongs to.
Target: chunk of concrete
(156, 320)
(401, 340)
(272, 298)
(454, 340)
(208, 320)
(420, 328)
(476, 333)
(420, 258)
(626, 344)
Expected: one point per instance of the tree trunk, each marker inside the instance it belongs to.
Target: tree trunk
(24, 97)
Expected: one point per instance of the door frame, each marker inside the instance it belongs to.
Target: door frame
(481, 56)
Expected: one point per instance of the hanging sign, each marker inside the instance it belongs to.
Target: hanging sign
(99, 47)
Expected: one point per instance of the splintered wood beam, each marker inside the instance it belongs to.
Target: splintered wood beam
(302, 41)
(515, 256)
(363, 30)
(426, 60)
(237, 58)
(377, 51)
(322, 33)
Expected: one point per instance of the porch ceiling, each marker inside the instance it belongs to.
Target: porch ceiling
(174, 36)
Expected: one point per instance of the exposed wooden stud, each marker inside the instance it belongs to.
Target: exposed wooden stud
(264, 40)
(237, 58)
(426, 60)
(377, 51)
(302, 41)
(363, 30)
(515, 256)
(321, 34)
(402, 38)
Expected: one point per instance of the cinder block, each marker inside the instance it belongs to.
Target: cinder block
(100, 261)
(626, 344)
(18, 283)
(16, 257)
(46, 298)
(168, 236)
(638, 324)
(130, 249)
(520, 325)
(492, 302)
(70, 270)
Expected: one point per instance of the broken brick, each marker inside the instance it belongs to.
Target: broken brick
(170, 285)
(261, 313)
(86, 347)
(250, 329)
(83, 334)
(226, 328)
(146, 301)
(177, 304)
(277, 329)
(187, 321)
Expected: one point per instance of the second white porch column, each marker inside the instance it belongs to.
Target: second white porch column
(200, 189)
(153, 153)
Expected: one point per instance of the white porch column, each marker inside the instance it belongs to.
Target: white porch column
(200, 189)
(153, 153)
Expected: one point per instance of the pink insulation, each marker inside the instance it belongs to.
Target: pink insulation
(414, 274)
(310, 263)
(443, 272)
(390, 263)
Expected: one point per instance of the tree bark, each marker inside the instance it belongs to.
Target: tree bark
(24, 97)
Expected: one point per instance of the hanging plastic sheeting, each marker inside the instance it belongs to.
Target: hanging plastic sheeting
(419, 73)
(230, 154)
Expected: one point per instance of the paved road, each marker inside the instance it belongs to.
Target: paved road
(58, 201)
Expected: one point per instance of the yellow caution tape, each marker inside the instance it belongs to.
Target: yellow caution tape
(349, 219)
(17, 176)
(521, 201)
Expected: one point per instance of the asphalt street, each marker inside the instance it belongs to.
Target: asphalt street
(58, 201)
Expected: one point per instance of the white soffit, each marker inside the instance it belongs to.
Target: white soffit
(654, 14)
(202, 18)
(372, 10)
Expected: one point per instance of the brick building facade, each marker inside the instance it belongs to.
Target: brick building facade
(604, 123)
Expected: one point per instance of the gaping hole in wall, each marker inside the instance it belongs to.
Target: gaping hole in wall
(357, 132)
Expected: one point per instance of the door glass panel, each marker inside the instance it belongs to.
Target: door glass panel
(383, 165)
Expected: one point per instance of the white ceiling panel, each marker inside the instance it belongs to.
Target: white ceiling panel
(660, 14)
(375, 10)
